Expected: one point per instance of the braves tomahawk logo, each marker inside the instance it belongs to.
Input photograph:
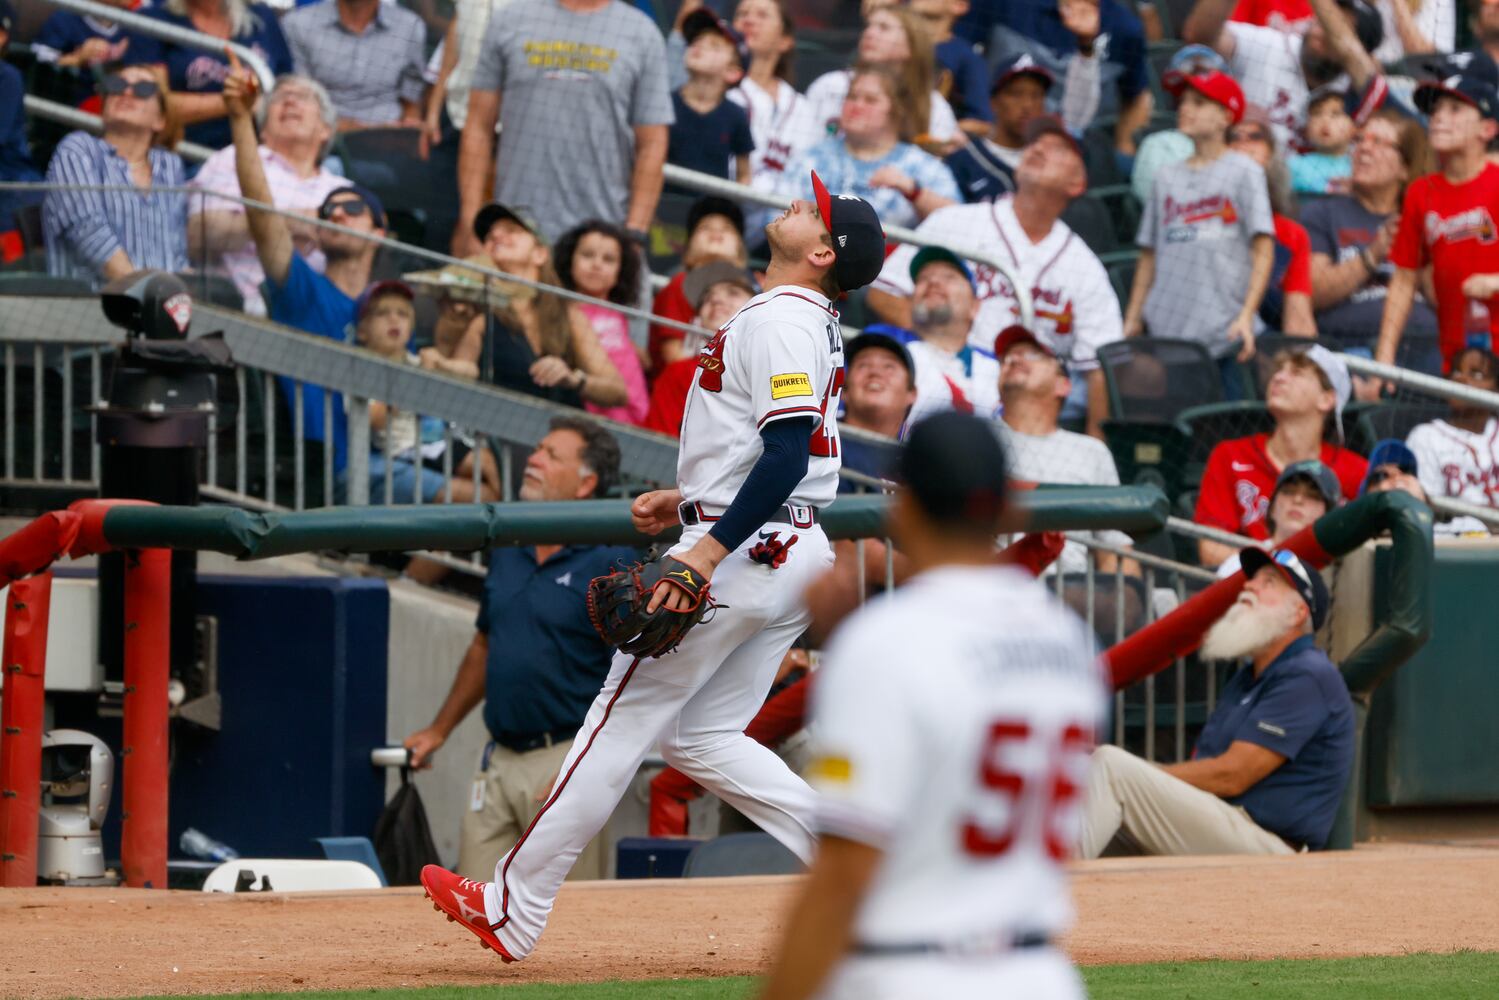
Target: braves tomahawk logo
(1473, 224)
(1202, 210)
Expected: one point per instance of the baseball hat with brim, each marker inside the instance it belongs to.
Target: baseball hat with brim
(1019, 65)
(858, 237)
(1390, 451)
(1316, 473)
(885, 342)
(1303, 579)
(928, 255)
(1470, 88)
(1197, 59)
(375, 290)
(1336, 373)
(954, 467)
(1015, 334)
(377, 210)
(703, 19)
(1216, 86)
(495, 212)
(703, 277)
(1043, 125)
(714, 205)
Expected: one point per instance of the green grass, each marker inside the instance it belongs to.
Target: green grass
(1463, 975)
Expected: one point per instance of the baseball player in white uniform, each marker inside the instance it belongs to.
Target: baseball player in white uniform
(946, 805)
(759, 458)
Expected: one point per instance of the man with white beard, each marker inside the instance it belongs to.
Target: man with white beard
(1269, 768)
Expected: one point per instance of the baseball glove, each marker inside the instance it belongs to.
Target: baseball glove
(617, 607)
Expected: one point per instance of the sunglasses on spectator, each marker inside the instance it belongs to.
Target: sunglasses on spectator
(350, 207)
(114, 86)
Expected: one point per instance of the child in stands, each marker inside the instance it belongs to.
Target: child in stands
(599, 259)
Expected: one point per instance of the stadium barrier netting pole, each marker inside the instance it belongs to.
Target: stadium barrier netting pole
(22, 716)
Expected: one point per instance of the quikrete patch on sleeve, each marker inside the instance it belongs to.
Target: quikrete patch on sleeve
(789, 385)
(834, 769)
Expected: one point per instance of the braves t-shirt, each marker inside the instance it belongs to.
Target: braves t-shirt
(1453, 227)
(1339, 227)
(1236, 486)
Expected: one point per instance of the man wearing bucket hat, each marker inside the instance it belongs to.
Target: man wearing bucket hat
(1305, 396)
(759, 458)
(1270, 765)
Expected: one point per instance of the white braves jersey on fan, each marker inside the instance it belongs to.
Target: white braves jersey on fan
(1077, 311)
(781, 125)
(1452, 462)
(779, 357)
(967, 381)
(954, 723)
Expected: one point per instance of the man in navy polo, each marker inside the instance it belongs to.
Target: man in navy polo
(1271, 764)
(535, 660)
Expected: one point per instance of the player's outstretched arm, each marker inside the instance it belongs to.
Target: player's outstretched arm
(821, 927)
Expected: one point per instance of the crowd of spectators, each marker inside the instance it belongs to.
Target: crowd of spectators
(1312, 168)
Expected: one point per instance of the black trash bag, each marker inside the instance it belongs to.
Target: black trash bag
(403, 839)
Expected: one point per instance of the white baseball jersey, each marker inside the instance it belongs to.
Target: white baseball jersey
(1077, 311)
(954, 722)
(967, 381)
(782, 126)
(1452, 462)
(779, 357)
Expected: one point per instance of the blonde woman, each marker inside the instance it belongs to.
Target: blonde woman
(896, 39)
(97, 234)
(197, 77)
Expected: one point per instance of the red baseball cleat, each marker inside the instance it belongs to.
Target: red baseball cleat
(462, 899)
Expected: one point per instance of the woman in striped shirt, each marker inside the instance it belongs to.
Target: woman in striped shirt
(99, 235)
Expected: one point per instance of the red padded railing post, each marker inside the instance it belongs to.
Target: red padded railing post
(143, 831)
(22, 714)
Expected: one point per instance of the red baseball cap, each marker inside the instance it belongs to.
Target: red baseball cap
(1017, 334)
(1217, 87)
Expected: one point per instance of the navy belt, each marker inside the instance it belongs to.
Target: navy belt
(977, 947)
(795, 514)
(526, 742)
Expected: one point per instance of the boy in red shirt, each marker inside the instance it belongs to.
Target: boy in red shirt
(1451, 220)
(1305, 396)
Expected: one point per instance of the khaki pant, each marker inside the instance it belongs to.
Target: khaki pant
(1163, 814)
(514, 787)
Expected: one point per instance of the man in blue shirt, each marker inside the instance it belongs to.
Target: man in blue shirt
(535, 660)
(1271, 764)
(295, 294)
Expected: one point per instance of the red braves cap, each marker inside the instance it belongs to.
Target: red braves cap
(1017, 334)
(858, 237)
(1217, 87)
(378, 288)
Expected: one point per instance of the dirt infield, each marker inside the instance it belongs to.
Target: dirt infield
(1384, 900)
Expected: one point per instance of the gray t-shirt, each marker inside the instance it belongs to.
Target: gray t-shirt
(1063, 458)
(1201, 222)
(572, 89)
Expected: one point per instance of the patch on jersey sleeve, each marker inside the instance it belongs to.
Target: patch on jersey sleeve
(789, 385)
(832, 769)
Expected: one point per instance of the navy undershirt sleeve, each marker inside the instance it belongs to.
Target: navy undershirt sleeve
(769, 483)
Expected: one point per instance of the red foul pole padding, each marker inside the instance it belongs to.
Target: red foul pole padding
(1156, 646)
(36, 546)
(143, 832)
(22, 714)
(88, 537)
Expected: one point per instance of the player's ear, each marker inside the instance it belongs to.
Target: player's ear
(587, 483)
(821, 256)
(1488, 128)
(733, 75)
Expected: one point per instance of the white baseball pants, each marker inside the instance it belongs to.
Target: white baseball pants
(1034, 974)
(694, 703)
